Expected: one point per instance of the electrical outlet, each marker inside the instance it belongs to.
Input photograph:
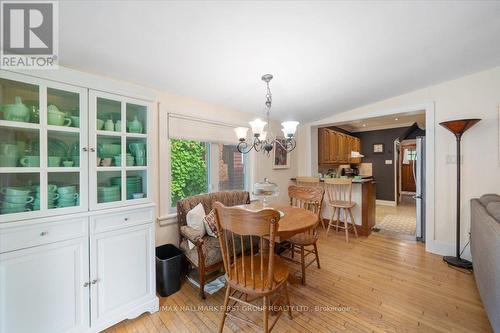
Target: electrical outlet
(388, 161)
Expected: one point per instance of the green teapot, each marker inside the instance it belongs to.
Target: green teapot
(134, 126)
(17, 111)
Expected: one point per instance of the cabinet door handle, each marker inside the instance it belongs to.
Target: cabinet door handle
(92, 149)
(85, 149)
(94, 281)
(126, 219)
(86, 284)
(44, 233)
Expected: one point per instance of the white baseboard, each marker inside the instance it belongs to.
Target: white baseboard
(385, 202)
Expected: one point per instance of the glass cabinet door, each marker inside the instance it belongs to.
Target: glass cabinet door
(119, 160)
(42, 165)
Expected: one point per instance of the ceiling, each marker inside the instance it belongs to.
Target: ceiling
(384, 122)
(326, 57)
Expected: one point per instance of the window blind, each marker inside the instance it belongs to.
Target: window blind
(190, 128)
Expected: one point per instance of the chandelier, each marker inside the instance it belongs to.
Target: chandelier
(262, 140)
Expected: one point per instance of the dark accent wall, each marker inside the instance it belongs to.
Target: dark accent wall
(382, 173)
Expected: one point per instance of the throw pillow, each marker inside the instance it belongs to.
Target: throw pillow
(487, 198)
(210, 224)
(494, 209)
(194, 220)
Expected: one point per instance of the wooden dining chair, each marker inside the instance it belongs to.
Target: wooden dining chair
(307, 181)
(255, 275)
(310, 198)
(339, 194)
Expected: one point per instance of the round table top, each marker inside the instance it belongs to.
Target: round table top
(295, 220)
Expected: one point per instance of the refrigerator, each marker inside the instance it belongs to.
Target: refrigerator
(419, 176)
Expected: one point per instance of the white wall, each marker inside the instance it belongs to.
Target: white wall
(473, 96)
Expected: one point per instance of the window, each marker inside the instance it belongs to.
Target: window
(188, 169)
(231, 168)
(200, 167)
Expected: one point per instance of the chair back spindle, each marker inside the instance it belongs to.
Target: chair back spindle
(339, 189)
(237, 225)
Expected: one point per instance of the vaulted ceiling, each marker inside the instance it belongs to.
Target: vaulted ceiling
(326, 57)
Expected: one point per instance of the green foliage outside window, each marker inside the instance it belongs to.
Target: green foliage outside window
(188, 169)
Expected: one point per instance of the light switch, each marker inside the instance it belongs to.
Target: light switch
(388, 161)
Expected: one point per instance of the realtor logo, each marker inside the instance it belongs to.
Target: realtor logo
(29, 34)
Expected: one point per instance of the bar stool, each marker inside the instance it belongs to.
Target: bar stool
(339, 193)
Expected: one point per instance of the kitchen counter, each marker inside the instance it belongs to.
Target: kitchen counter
(354, 181)
(363, 194)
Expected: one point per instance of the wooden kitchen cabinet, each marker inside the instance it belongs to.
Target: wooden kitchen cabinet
(335, 147)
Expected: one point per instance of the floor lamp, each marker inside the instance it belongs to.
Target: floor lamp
(458, 127)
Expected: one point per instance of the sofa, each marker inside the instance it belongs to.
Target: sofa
(206, 256)
(485, 250)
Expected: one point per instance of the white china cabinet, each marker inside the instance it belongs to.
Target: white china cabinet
(76, 215)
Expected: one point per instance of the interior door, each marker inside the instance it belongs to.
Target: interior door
(120, 271)
(408, 154)
(42, 289)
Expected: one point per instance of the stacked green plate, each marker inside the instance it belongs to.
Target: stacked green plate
(134, 184)
(108, 193)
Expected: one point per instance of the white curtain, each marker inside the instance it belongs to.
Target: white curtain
(189, 128)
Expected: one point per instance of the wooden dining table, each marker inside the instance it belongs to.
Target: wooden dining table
(294, 220)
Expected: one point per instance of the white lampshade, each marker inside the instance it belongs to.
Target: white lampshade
(289, 128)
(241, 132)
(257, 126)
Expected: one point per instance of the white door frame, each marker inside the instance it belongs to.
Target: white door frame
(430, 127)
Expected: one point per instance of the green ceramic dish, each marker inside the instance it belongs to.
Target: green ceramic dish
(66, 189)
(15, 191)
(58, 119)
(54, 161)
(18, 199)
(99, 124)
(75, 121)
(30, 161)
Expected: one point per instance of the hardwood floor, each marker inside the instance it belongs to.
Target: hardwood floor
(378, 284)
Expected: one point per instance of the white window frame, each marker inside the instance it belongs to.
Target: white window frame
(212, 171)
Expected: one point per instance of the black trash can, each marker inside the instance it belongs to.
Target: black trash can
(169, 267)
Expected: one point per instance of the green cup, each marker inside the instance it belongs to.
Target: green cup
(71, 189)
(15, 206)
(75, 121)
(18, 199)
(54, 161)
(68, 197)
(50, 188)
(15, 191)
(30, 161)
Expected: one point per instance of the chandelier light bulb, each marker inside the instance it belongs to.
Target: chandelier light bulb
(257, 126)
(289, 128)
(263, 136)
(241, 132)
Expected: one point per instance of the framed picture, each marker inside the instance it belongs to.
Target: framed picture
(378, 148)
(281, 159)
